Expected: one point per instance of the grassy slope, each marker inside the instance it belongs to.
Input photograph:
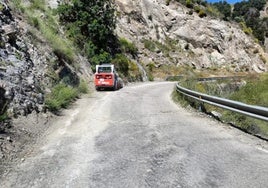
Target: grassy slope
(255, 92)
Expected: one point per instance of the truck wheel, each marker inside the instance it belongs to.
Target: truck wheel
(115, 86)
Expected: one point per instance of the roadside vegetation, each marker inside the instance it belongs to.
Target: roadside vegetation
(44, 22)
(73, 28)
(92, 30)
(251, 90)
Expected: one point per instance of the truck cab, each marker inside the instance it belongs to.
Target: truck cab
(106, 77)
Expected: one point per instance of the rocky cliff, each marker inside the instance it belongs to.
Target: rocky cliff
(29, 66)
(202, 43)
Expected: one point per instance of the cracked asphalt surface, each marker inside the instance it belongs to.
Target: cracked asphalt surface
(137, 137)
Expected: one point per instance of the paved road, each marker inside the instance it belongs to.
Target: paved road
(137, 137)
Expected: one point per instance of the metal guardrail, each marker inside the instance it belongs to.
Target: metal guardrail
(242, 108)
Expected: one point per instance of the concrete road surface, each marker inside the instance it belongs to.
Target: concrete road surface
(137, 137)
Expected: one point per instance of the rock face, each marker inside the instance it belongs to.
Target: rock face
(23, 70)
(199, 42)
(28, 68)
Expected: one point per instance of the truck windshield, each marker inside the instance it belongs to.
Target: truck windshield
(105, 69)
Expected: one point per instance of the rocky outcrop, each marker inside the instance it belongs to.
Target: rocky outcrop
(29, 67)
(19, 76)
(202, 43)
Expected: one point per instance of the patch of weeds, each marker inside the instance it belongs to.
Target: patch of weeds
(60, 97)
(121, 62)
(38, 5)
(255, 92)
(149, 44)
(83, 87)
(128, 47)
(4, 117)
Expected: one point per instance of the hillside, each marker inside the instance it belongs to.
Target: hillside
(32, 63)
(37, 56)
(171, 35)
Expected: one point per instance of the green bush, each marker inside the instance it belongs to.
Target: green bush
(202, 14)
(60, 97)
(1, 7)
(128, 47)
(90, 21)
(34, 22)
(150, 45)
(121, 62)
(49, 30)
(197, 9)
(189, 4)
(150, 77)
(83, 87)
(246, 29)
(3, 117)
(101, 58)
(38, 4)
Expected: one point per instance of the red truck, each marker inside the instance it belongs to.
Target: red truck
(106, 77)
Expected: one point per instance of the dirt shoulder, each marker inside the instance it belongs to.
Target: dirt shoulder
(19, 135)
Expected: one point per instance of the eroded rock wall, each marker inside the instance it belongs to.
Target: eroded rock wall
(201, 42)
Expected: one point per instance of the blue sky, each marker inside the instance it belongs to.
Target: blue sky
(229, 1)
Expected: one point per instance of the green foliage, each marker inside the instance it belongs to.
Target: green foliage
(34, 22)
(197, 9)
(60, 46)
(48, 28)
(60, 97)
(3, 117)
(1, 7)
(134, 72)
(90, 23)
(224, 8)
(150, 77)
(246, 29)
(189, 4)
(83, 87)
(121, 62)
(149, 44)
(249, 12)
(255, 92)
(202, 13)
(38, 5)
(17, 5)
(100, 58)
(128, 47)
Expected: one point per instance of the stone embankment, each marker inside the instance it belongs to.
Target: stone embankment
(20, 77)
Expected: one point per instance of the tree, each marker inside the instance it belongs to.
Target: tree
(224, 8)
(90, 22)
(258, 4)
(249, 12)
